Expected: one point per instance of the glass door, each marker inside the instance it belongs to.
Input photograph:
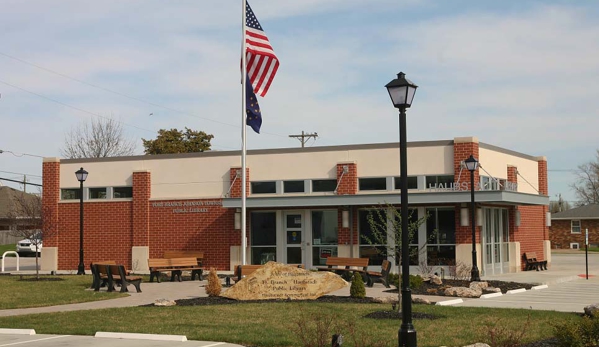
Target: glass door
(324, 237)
(294, 237)
(495, 241)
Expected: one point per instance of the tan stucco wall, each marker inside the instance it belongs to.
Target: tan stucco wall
(495, 163)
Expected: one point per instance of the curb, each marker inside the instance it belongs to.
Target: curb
(515, 291)
(449, 302)
(132, 336)
(17, 331)
(490, 295)
(543, 286)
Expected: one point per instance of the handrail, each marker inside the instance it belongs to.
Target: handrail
(4, 257)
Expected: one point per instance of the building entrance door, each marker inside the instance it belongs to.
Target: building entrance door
(295, 240)
(495, 240)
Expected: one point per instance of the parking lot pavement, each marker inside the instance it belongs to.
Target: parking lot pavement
(90, 341)
(25, 264)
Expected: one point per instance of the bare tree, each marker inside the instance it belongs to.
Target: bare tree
(27, 217)
(559, 206)
(386, 234)
(97, 138)
(587, 182)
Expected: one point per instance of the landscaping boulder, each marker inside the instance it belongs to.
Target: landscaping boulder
(478, 285)
(421, 301)
(592, 310)
(386, 299)
(463, 292)
(164, 302)
(436, 280)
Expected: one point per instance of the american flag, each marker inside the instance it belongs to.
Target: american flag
(262, 63)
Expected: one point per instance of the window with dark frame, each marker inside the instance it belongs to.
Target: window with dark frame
(293, 186)
(122, 192)
(97, 193)
(412, 182)
(268, 187)
(70, 194)
(319, 186)
(375, 183)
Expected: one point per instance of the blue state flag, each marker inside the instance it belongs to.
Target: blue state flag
(252, 109)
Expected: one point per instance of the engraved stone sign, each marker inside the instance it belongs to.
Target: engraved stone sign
(280, 281)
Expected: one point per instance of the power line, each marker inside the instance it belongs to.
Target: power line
(21, 182)
(70, 106)
(19, 173)
(125, 95)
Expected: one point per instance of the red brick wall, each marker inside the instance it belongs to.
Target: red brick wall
(543, 190)
(464, 234)
(211, 232)
(106, 233)
(531, 232)
(561, 233)
(50, 197)
(461, 152)
(512, 174)
(141, 208)
(349, 182)
(235, 191)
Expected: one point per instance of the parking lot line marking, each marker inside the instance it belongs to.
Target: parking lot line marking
(46, 338)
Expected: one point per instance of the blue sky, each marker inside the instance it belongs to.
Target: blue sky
(516, 74)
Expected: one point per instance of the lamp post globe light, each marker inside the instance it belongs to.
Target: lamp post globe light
(81, 177)
(401, 90)
(472, 165)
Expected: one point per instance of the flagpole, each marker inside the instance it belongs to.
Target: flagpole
(243, 133)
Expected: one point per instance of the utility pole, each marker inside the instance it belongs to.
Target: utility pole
(24, 183)
(303, 138)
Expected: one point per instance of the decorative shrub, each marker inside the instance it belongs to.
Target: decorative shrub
(583, 333)
(214, 287)
(357, 289)
(415, 281)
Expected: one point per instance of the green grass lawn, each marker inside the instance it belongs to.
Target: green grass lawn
(9, 247)
(18, 293)
(274, 324)
(264, 324)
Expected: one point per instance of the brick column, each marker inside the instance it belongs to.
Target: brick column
(463, 147)
(512, 177)
(347, 182)
(141, 207)
(50, 220)
(235, 182)
(543, 190)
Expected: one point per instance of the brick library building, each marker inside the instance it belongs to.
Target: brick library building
(303, 205)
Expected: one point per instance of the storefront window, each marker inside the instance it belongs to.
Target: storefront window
(324, 236)
(263, 235)
(440, 232)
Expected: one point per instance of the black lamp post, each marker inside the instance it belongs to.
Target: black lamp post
(81, 177)
(472, 165)
(401, 90)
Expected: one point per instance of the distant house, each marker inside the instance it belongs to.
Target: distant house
(9, 198)
(568, 228)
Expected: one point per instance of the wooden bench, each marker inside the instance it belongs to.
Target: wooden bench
(185, 254)
(101, 279)
(532, 262)
(345, 267)
(115, 274)
(176, 266)
(382, 277)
